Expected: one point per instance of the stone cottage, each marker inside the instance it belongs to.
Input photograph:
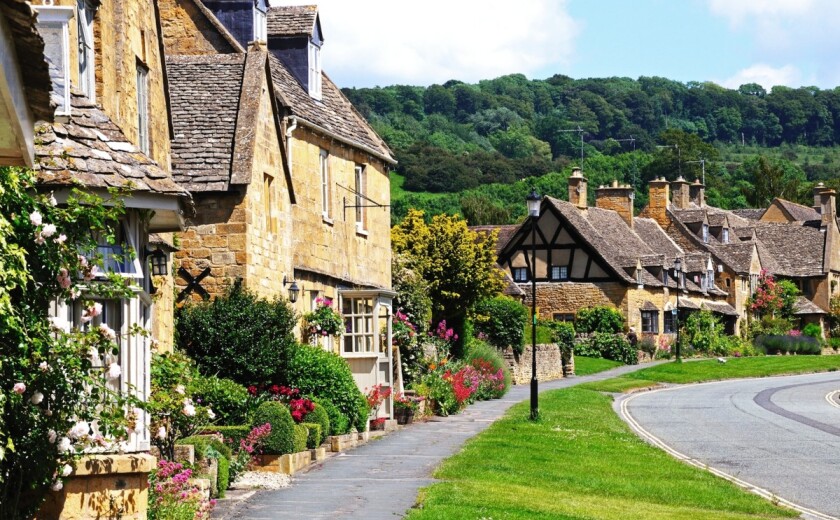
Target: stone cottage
(605, 255)
(291, 184)
(110, 128)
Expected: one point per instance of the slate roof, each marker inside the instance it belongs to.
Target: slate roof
(204, 91)
(737, 255)
(804, 306)
(796, 249)
(720, 308)
(291, 20)
(29, 47)
(797, 211)
(90, 150)
(333, 112)
(749, 213)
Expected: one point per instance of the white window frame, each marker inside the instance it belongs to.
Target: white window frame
(520, 274)
(705, 233)
(360, 180)
(57, 18)
(143, 108)
(725, 235)
(314, 71)
(360, 327)
(260, 21)
(87, 52)
(326, 195)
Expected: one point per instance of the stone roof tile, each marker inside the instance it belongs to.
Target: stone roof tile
(797, 211)
(291, 20)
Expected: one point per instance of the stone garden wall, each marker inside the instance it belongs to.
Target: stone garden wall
(549, 364)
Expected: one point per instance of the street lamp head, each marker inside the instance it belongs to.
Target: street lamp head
(534, 201)
(157, 259)
(294, 290)
(677, 265)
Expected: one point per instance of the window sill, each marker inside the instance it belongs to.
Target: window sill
(327, 220)
(360, 354)
(361, 232)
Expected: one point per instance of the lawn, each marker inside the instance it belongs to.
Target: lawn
(712, 370)
(580, 461)
(586, 365)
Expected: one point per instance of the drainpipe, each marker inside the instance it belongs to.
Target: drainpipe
(289, 131)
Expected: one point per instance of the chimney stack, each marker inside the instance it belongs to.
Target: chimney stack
(828, 207)
(697, 193)
(681, 193)
(577, 189)
(618, 198)
(658, 200)
(817, 199)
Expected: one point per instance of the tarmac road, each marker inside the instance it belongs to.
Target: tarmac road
(781, 434)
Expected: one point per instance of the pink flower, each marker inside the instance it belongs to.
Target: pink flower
(63, 278)
(39, 238)
(92, 312)
(107, 331)
(19, 388)
(57, 485)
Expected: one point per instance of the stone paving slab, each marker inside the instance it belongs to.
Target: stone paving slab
(380, 480)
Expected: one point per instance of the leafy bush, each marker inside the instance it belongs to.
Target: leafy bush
(223, 475)
(704, 332)
(812, 330)
(478, 353)
(787, 345)
(544, 334)
(227, 398)
(767, 325)
(562, 333)
(834, 343)
(232, 434)
(239, 335)
(199, 443)
(281, 440)
(501, 321)
(319, 416)
(648, 346)
(301, 435)
(614, 347)
(313, 439)
(586, 348)
(601, 318)
(738, 347)
(322, 374)
(339, 424)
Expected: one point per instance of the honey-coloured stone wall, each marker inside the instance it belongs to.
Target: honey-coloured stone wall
(550, 364)
(188, 31)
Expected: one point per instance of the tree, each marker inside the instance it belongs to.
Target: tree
(458, 264)
(770, 179)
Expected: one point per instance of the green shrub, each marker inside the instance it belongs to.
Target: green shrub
(648, 346)
(479, 350)
(586, 348)
(321, 417)
(602, 318)
(227, 398)
(200, 444)
(231, 434)
(223, 476)
(704, 332)
(281, 440)
(812, 330)
(239, 335)
(326, 375)
(220, 448)
(787, 345)
(313, 436)
(300, 437)
(502, 321)
(615, 347)
(770, 326)
(544, 334)
(834, 343)
(339, 424)
(562, 333)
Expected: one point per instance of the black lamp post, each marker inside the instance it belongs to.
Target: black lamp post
(294, 290)
(678, 275)
(534, 200)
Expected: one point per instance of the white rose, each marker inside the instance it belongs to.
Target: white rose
(80, 429)
(64, 445)
(108, 332)
(43, 366)
(180, 389)
(52, 200)
(35, 218)
(210, 414)
(161, 433)
(60, 239)
(114, 371)
(57, 485)
(36, 398)
(49, 230)
(52, 436)
(66, 470)
(189, 410)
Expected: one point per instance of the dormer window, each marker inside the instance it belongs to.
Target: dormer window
(725, 236)
(705, 233)
(260, 21)
(314, 71)
(54, 27)
(87, 80)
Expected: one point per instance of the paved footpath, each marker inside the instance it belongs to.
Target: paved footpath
(380, 480)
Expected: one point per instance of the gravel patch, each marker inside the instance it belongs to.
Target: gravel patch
(261, 480)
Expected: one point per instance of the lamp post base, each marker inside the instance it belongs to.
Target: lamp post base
(535, 411)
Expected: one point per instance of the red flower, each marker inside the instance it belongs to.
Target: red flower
(252, 390)
(274, 389)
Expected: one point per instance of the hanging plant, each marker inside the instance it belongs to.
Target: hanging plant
(323, 321)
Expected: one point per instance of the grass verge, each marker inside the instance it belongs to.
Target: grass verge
(587, 365)
(712, 370)
(580, 461)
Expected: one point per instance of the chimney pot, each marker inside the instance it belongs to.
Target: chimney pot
(577, 189)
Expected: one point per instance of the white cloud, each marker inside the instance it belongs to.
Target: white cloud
(390, 41)
(739, 10)
(764, 75)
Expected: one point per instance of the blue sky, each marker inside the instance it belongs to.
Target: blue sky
(730, 42)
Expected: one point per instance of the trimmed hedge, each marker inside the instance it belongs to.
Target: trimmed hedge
(320, 417)
(223, 476)
(281, 440)
(300, 436)
(788, 345)
(339, 424)
(323, 374)
(231, 434)
(313, 438)
(227, 398)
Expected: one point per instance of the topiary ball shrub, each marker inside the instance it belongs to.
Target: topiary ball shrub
(322, 374)
(313, 439)
(227, 398)
(301, 435)
(339, 424)
(319, 416)
(281, 440)
(238, 335)
(501, 322)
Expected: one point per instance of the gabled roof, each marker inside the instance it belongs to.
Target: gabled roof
(292, 20)
(29, 47)
(796, 249)
(215, 105)
(90, 150)
(804, 306)
(333, 114)
(749, 213)
(796, 212)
